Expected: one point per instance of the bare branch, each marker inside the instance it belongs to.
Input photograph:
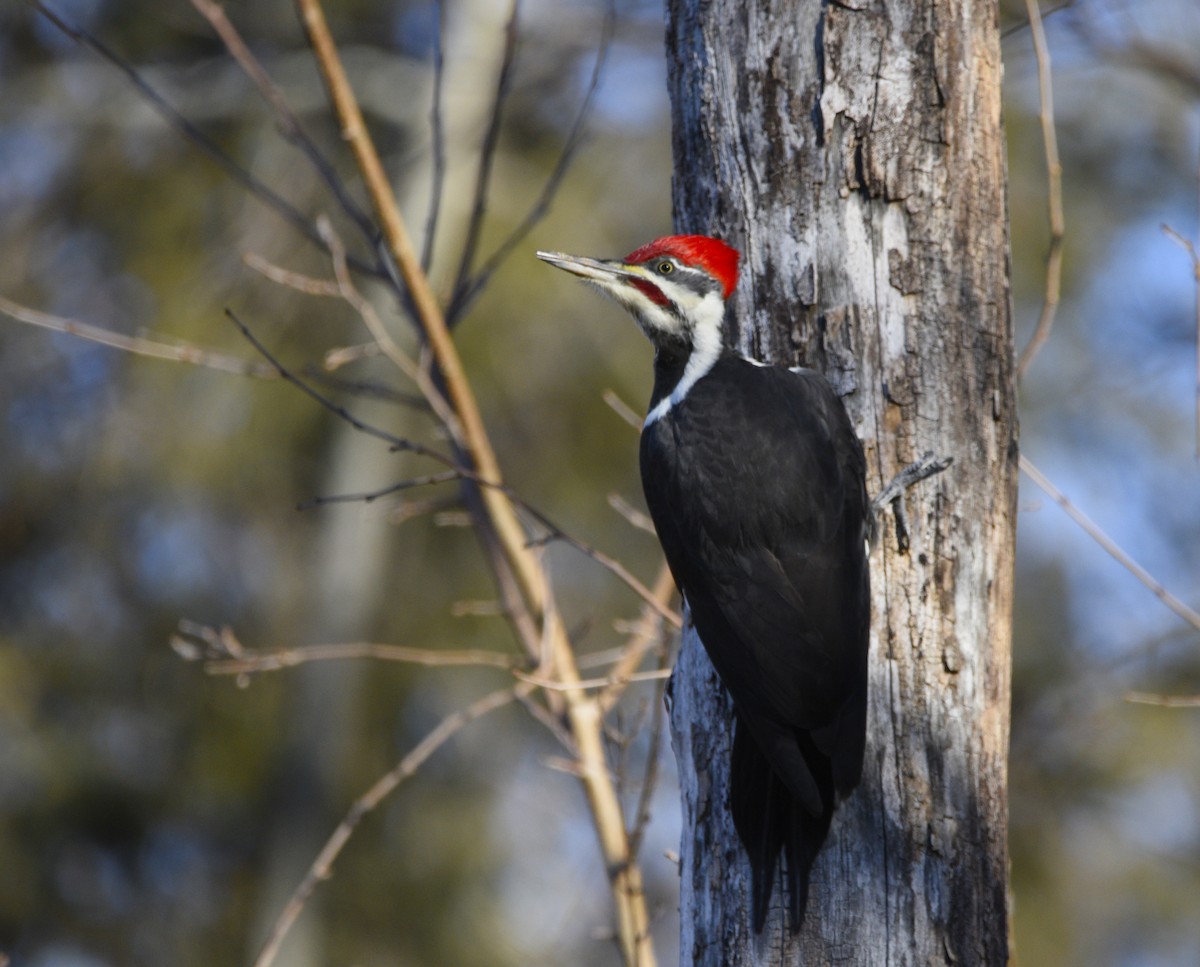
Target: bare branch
(481, 278)
(379, 332)
(396, 443)
(659, 674)
(345, 355)
(646, 633)
(437, 136)
(322, 866)
(519, 574)
(487, 155)
(139, 345)
(1054, 202)
(635, 517)
(289, 125)
(1167, 701)
(192, 133)
(368, 497)
(223, 653)
(368, 388)
(1100, 537)
(417, 286)
(641, 815)
(271, 661)
(293, 280)
(610, 564)
(1049, 11)
(893, 493)
(622, 409)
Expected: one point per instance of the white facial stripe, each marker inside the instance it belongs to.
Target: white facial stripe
(706, 313)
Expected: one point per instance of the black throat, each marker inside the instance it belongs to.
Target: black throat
(670, 360)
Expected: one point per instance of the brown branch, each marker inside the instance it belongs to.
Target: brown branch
(582, 712)
(429, 313)
(289, 125)
(632, 515)
(1054, 203)
(255, 662)
(1048, 12)
(1189, 615)
(383, 338)
(139, 345)
(293, 280)
(641, 815)
(614, 567)
(1166, 701)
(646, 633)
(609, 681)
(622, 409)
(322, 866)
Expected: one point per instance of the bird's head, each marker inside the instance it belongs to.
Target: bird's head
(675, 286)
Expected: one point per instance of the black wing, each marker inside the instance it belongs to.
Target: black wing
(756, 483)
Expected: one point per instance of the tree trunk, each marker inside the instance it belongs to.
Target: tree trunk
(856, 158)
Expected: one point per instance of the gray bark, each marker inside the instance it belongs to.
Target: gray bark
(856, 158)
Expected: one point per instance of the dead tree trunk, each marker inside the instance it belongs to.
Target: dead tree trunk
(856, 158)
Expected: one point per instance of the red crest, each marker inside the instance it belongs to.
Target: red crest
(711, 254)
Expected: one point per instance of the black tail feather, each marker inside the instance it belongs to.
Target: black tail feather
(771, 822)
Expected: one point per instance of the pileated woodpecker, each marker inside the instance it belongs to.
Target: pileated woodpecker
(755, 481)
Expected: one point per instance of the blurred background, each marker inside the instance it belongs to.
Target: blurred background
(153, 814)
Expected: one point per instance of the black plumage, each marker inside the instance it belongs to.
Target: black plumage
(756, 484)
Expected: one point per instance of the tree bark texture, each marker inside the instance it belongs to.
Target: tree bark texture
(854, 153)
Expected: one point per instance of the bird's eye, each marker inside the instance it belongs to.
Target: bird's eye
(665, 268)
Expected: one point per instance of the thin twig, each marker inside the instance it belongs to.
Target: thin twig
(641, 815)
(636, 518)
(341, 356)
(610, 564)
(1054, 202)
(322, 866)
(383, 338)
(417, 288)
(487, 156)
(368, 388)
(608, 681)
(368, 497)
(1050, 11)
(1100, 537)
(437, 131)
(271, 661)
(622, 409)
(1188, 247)
(293, 280)
(289, 125)
(538, 211)
(396, 443)
(1167, 701)
(138, 345)
(646, 633)
(516, 568)
(192, 133)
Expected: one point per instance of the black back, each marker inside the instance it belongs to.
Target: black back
(756, 484)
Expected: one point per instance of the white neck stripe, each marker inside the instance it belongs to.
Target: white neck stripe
(706, 350)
